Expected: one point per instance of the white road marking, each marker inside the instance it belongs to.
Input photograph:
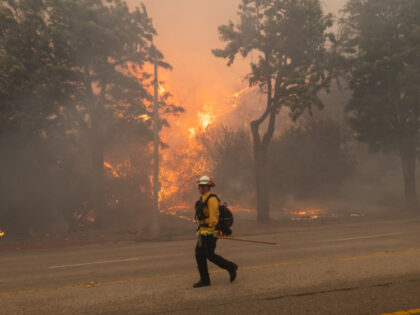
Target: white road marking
(96, 263)
(138, 258)
(362, 237)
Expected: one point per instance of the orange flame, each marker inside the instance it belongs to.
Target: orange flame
(238, 209)
(313, 214)
(118, 170)
(82, 218)
(308, 214)
(185, 159)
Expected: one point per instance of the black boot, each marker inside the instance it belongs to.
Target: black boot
(202, 283)
(232, 272)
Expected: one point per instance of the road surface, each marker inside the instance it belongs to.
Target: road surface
(357, 268)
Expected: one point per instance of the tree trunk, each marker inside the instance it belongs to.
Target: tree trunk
(98, 161)
(260, 162)
(98, 181)
(261, 145)
(97, 150)
(260, 158)
(408, 162)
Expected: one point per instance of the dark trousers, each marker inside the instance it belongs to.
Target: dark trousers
(206, 245)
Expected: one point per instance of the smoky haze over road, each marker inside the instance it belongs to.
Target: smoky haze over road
(359, 268)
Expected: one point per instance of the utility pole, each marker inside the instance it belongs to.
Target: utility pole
(155, 228)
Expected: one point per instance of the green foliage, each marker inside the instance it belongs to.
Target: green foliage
(380, 43)
(68, 99)
(288, 39)
(380, 40)
(31, 79)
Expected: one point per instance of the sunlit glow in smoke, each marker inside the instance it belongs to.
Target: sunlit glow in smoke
(162, 90)
(192, 132)
(241, 92)
(206, 119)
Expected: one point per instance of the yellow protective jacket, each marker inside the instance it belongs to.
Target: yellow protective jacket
(211, 211)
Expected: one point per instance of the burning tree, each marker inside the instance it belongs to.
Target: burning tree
(69, 101)
(289, 40)
(102, 42)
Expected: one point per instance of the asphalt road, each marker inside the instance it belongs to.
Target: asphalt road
(364, 268)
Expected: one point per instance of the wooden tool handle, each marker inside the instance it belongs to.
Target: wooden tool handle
(245, 240)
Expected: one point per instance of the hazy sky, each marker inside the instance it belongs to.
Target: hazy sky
(187, 33)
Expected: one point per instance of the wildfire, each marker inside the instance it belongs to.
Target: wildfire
(181, 211)
(314, 214)
(118, 170)
(205, 119)
(144, 117)
(162, 90)
(238, 209)
(310, 214)
(113, 202)
(186, 158)
(241, 92)
(82, 218)
(90, 218)
(193, 133)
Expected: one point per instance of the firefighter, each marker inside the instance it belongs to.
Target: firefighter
(207, 214)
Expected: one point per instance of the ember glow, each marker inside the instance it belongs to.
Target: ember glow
(314, 214)
(309, 214)
(117, 170)
(84, 216)
(2, 233)
(144, 117)
(239, 209)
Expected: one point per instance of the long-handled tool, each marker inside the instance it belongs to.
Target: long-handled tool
(244, 240)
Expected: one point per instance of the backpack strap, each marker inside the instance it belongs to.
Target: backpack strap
(207, 199)
(204, 204)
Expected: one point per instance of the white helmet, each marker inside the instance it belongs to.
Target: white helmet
(206, 180)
